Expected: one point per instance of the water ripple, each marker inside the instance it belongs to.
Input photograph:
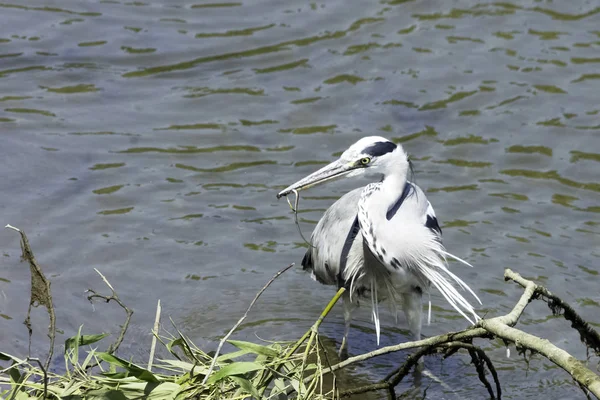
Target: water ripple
(552, 175)
(177, 170)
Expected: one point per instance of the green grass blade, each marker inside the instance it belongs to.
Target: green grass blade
(246, 386)
(82, 340)
(237, 368)
(231, 356)
(134, 370)
(255, 348)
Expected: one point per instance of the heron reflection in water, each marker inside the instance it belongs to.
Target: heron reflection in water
(381, 241)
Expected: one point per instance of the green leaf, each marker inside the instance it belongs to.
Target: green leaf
(105, 394)
(115, 375)
(298, 386)
(88, 358)
(72, 353)
(71, 342)
(7, 357)
(186, 366)
(174, 343)
(134, 370)
(279, 386)
(310, 367)
(254, 348)
(22, 395)
(290, 366)
(15, 376)
(181, 343)
(164, 391)
(247, 386)
(237, 368)
(231, 356)
(71, 391)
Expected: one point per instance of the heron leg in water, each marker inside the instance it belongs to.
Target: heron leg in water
(413, 309)
(349, 307)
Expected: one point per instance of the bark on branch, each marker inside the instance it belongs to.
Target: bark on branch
(501, 327)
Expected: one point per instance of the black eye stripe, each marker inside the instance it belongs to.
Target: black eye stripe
(379, 149)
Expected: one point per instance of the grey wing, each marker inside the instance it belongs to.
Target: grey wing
(335, 237)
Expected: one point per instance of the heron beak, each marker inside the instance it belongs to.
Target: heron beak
(336, 169)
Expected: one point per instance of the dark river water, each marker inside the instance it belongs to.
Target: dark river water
(148, 139)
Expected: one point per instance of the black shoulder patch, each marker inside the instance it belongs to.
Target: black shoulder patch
(392, 211)
(432, 223)
(354, 229)
(380, 148)
(307, 261)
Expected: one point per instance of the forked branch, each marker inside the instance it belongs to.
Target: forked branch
(113, 297)
(501, 327)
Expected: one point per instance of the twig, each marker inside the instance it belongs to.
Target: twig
(365, 389)
(328, 363)
(115, 297)
(316, 325)
(314, 330)
(295, 211)
(482, 357)
(589, 336)
(37, 360)
(311, 333)
(395, 377)
(501, 327)
(324, 350)
(432, 341)
(214, 360)
(154, 335)
(478, 362)
(509, 319)
(40, 294)
(558, 356)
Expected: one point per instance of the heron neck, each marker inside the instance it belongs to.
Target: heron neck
(374, 205)
(387, 196)
(391, 192)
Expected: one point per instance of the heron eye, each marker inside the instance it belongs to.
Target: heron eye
(365, 161)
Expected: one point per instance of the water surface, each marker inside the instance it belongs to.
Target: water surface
(148, 140)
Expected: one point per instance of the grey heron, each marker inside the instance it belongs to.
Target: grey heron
(382, 241)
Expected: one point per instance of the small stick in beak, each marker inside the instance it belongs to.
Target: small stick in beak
(295, 206)
(295, 211)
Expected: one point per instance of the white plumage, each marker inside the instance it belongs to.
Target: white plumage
(383, 241)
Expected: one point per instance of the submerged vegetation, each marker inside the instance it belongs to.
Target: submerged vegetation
(299, 369)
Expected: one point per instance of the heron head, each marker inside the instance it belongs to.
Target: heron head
(372, 155)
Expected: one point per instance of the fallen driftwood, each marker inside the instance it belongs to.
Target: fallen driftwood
(498, 327)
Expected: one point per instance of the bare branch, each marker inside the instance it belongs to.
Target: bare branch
(499, 327)
(114, 297)
(365, 389)
(45, 374)
(589, 335)
(509, 319)
(558, 356)
(478, 362)
(154, 335)
(396, 376)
